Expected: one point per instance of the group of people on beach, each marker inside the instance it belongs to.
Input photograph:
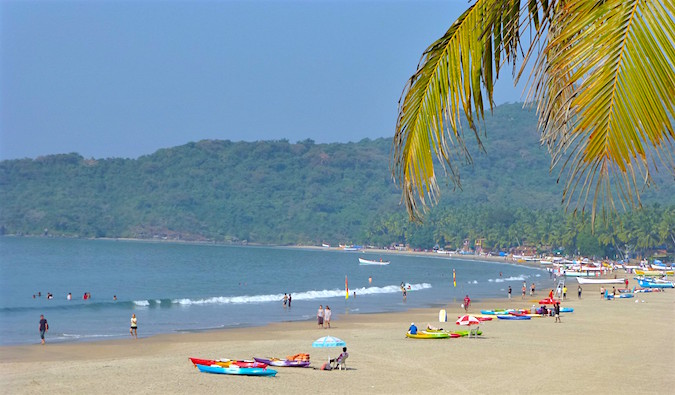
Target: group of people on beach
(323, 317)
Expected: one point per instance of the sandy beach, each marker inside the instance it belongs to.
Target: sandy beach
(603, 347)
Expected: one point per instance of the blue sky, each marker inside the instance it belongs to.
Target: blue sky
(125, 78)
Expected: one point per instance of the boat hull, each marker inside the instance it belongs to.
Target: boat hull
(282, 362)
(236, 370)
(428, 335)
(582, 280)
(363, 261)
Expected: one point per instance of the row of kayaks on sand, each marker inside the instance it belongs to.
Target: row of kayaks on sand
(502, 313)
(255, 367)
(439, 334)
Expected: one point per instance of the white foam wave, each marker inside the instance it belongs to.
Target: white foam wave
(306, 295)
(141, 303)
(512, 278)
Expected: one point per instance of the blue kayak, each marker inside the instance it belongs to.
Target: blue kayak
(236, 370)
(513, 317)
(566, 309)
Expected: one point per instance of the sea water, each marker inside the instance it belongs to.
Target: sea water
(178, 287)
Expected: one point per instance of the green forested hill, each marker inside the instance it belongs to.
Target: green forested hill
(272, 192)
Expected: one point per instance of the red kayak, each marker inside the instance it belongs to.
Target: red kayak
(549, 301)
(226, 363)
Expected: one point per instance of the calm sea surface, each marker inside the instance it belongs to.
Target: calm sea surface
(184, 288)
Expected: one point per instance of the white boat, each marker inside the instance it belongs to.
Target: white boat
(583, 280)
(363, 261)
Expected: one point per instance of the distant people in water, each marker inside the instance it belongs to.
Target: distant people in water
(290, 299)
(114, 297)
(50, 296)
(285, 299)
(70, 296)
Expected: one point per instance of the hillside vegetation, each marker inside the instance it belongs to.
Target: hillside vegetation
(276, 192)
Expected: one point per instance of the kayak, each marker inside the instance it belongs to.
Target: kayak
(513, 317)
(282, 362)
(549, 301)
(465, 333)
(504, 311)
(566, 309)
(235, 370)
(228, 362)
(429, 335)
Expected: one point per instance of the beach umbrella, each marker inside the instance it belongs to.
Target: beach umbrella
(328, 341)
(467, 319)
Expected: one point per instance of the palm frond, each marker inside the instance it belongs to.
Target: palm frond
(606, 90)
(451, 79)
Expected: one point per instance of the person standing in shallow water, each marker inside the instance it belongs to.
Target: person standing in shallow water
(133, 330)
(290, 299)
(44, 327)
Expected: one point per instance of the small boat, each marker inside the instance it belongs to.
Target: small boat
(582, 280)
(513, 317)
(364, 261)
(236, 370)
(465, 333)
(282, 362)
(653, 273)
(656, 284)
(228, 362)
(429, 335)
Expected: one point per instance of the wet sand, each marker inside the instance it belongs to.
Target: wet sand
(602, 347)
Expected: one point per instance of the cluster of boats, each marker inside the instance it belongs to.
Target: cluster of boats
(254, 367)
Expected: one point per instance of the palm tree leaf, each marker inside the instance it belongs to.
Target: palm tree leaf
(449, 82)
(608, 69)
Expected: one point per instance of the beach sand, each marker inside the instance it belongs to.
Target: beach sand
(603, 347)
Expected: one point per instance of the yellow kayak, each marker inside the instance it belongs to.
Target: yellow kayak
(427, 335)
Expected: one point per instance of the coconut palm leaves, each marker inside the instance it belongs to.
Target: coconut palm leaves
(603, 81)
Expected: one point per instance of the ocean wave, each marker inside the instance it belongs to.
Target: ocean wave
(512, 278)
(305, 295)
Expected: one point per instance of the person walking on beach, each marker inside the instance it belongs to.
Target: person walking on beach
(509, 292)
(565, 292)
(579, 292)
(524, 290)
(556, 309)
(44, 327)
(133, 330)
(326, 317)
(319, 316)
(467, 302)
(532, 289)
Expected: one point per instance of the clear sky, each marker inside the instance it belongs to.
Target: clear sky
(125, 78)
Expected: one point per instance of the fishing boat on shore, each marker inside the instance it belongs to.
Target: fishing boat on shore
(653, 273)
(584, 280)
(363, 261)
(654, 283)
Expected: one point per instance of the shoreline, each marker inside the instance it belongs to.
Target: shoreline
(588, 352)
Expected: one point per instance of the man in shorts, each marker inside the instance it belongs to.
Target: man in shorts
(44, 327)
